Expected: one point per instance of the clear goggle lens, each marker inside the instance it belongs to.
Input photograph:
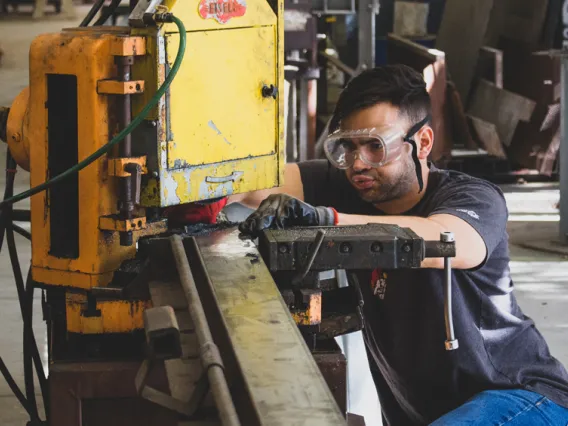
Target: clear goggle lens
(374, 148)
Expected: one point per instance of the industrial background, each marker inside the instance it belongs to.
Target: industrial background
(497, 72)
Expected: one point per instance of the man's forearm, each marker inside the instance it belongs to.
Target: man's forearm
(469, 249)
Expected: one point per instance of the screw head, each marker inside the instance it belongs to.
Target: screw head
(283, 248)
(376, 247)
(345, 248)
(406, 248)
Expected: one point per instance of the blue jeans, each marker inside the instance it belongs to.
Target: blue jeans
(506, 407)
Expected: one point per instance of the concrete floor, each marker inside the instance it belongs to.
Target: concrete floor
(541, 278)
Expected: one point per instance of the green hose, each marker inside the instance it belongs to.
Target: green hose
(135, 123)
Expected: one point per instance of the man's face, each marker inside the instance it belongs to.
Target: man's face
(391, 181)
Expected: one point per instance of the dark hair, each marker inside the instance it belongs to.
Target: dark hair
(398, 85)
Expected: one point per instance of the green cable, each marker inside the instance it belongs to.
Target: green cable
(135, 123)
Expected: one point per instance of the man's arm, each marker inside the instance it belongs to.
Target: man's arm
(292, 186)
(470, 247)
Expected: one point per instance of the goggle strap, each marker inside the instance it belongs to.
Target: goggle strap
(417, 164)
(417, 127)
(408, 139)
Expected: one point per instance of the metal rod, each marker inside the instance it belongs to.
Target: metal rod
(125, 149)
(92, 13)
(448, 299)
(215, 371)
(317, 244)
(564, 150)
(451, 341)
(366, 15)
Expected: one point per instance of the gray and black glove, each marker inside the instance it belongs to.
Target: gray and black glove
(282, 211)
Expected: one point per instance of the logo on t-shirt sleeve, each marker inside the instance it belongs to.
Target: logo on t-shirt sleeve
(379, 283)
(469, 212)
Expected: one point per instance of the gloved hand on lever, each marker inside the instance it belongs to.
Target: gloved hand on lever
(283, 211)
(199, 212)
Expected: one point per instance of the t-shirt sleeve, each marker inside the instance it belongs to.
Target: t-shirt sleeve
(316, 175)
(480, 204)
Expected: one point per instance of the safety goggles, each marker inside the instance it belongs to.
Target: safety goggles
(375, 147)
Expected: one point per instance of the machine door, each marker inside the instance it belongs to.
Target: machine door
(216, 107)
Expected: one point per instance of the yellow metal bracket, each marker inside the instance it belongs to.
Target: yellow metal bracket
(128, 46)
(115, 87)
(116, 165)
(113, 223)
(311, 314)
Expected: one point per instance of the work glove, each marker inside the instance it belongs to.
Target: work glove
(282, 211)
(199, 212)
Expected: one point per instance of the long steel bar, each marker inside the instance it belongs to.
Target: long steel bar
(215, 371)
(564, 140)
(280, 375)
(366, 16)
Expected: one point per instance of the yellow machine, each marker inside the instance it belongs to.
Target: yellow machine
(217, 131)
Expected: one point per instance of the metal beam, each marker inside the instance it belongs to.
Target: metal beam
(564, 140)
(283, 380)
(366, 15)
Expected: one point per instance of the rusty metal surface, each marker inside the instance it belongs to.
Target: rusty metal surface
(103, 394)
(333, 367)
(277, 370)
(347, 247)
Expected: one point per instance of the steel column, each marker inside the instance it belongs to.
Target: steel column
(366, 15)
(564, 141)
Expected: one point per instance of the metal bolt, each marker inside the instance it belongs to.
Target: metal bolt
(283, 248)
(155, 174)
(376, 247)
(406, 248)
(447, 237)
(345, 248)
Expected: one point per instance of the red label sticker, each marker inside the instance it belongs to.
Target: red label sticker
(222, 10)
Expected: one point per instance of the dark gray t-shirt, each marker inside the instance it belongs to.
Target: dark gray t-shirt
(500, 348)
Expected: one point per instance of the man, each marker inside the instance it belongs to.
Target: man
(378, 172)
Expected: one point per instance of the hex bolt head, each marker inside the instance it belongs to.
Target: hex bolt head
(376, 247)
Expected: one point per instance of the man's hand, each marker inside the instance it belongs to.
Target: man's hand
(282, 211)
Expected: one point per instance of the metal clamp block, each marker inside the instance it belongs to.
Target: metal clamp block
(113, 223)
(116, 166)
(115, 87)
(162, 333)
(128, 46)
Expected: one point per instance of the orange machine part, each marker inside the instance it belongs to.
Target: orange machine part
(17, 130)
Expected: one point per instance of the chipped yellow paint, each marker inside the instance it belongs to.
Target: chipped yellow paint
(117, 316)
(259, 13)
(150, 193)
(87, 55)
(218, 112)
(219, 123)
(63, 278)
